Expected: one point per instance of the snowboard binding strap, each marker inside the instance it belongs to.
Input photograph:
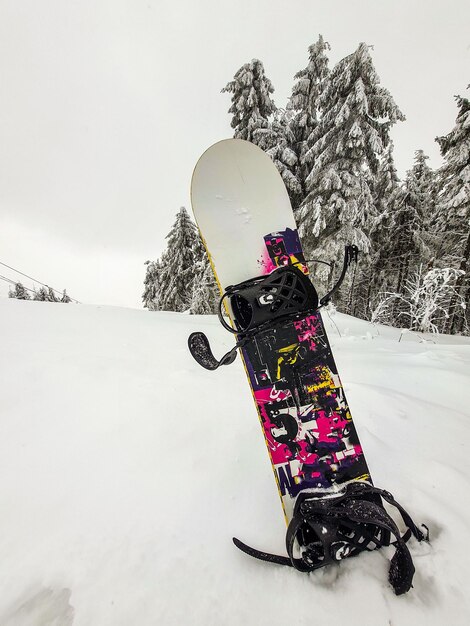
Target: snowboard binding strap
(261, 302)
(328, 527)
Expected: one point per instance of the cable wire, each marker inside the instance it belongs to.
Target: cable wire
(12, 282)
(36, 281)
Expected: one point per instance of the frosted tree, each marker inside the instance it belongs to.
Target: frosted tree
(422, 182)
(177, 271)
(401, 225)
(182, 278)
(346, 144)
(304, 103)
(402, 249)
(252, 105)
(205, 295)
(41, 295)
(306, 92)
(285, 137)
(65, 298)
(453, 210)
(406, 246)
(428, 300)
(51, 297)
(277, 141)
(151, 295)
(386, 195)
(386, 183)
(20, 292)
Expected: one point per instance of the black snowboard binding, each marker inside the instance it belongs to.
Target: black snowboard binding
(261, 302)
(330, 526)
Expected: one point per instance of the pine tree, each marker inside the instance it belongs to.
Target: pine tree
(305, 106)
(385, 189)
(177, 265)
(205, 296)
(151, 295)
(401, 225)
(252, 105)
(20, 292)
(205, 293)
(51, 297)
(453, 211)
(309, 85)
(407, 246)
(403, 251)
(41, 295)
(346, 144)
(385, 183)
(277, 141)
(421, 181)
(182, 278)
(65, 298)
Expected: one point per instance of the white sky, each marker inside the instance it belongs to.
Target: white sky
(105, 107)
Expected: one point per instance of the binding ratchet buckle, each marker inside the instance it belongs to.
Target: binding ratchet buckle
(285, 292)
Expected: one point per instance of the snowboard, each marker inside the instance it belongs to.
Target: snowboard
(246, 222)
(332, 509)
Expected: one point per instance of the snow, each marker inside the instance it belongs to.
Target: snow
(125, 471)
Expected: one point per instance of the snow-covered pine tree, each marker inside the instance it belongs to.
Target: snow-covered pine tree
(453, 210)
(51, 297)
(151, 295)
(310, 83)
(277, 140)
(422, 182)
(385, 184)
(385, 187)
(252, 105)
(182, 278)
(399, 237)
(305, 107)
(20, 293)
(346, 144)
(65, 298)
(41, 295)
(406, 247)
(178, 263)
(205, 295)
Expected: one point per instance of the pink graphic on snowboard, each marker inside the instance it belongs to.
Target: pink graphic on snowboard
(305, 417)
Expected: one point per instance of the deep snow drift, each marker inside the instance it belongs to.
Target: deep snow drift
(125, 469)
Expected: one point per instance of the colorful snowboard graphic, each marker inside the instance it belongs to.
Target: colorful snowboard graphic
(311, 439)
(303, 410)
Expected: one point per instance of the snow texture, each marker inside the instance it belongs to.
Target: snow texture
(126, 469)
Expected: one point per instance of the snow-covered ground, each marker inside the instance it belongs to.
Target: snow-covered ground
(125, 469)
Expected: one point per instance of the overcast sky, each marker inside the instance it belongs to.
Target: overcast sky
(105, 107)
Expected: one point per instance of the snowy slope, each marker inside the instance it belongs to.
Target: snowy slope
(125, 471)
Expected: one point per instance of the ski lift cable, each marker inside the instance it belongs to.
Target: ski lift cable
(13, 282)
(36, 281)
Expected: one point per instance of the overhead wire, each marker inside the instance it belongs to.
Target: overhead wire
(36, 281)
(12, 282)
